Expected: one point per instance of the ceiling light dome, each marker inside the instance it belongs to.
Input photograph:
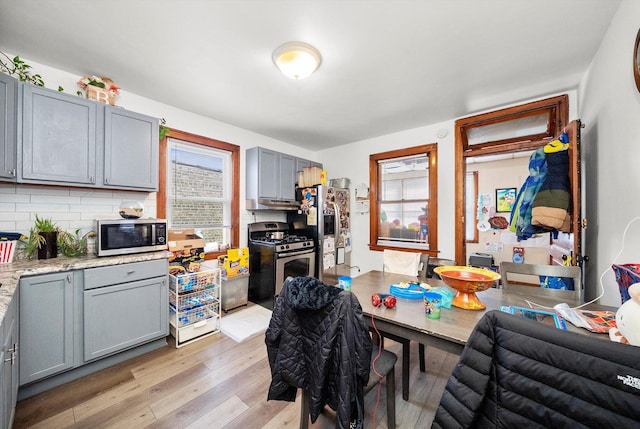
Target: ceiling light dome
(297, 60)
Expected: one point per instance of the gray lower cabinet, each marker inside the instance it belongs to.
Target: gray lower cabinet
(72, 320)
(47, 313)
(122, 316)
(124, 305)
(9, 365)
(8, 124)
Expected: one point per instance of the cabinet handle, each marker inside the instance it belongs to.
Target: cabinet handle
(131, 272)
(92, 179)
(106, 180)
(13, 172)
(68, 278)
(13, 352)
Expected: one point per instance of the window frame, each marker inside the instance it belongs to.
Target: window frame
(431, 150)
(234, 150)
(475, 238)
(558, 104)
(555, 108)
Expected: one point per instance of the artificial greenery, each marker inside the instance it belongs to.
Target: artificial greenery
(73, 245)
(164, 130)
(18, 68)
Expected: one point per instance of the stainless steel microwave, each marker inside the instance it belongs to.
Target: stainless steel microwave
(127, 236)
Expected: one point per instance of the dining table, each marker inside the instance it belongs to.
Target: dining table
(452, 330)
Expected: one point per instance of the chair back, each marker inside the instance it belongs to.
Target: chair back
(520, 373)
(509, 269)
(399, 262)
(318, 339)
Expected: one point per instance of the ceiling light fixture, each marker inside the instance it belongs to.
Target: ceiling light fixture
(297, 60)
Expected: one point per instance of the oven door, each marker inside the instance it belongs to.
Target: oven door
(295, 264)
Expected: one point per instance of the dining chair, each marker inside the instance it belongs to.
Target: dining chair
(410, 264)
(317, 340)
(528, 280)
(384, 365)
(520, 373)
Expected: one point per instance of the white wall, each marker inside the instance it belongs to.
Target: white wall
(353, 162)
(610, 110)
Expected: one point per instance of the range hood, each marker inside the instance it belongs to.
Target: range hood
(269, 204)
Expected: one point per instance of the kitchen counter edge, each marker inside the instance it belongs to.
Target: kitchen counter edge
(10, 274)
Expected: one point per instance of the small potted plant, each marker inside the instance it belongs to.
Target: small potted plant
(73, 245)
(43, 239)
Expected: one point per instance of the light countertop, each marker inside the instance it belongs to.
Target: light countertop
(10, 274)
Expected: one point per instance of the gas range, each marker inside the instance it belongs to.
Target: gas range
(289, 242)
(275, 254)
(261, 234)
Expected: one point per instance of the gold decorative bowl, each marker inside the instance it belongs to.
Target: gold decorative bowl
(467, 281)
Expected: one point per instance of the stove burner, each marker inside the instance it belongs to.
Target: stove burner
(285, 240)
(288, 243)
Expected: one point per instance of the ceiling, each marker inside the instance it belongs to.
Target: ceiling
(387, 65)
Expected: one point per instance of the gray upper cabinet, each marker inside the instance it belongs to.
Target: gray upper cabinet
(131, 150)
(58, 138)
(301, 164)
(68, 140)
(8, 123)
(287, 182)
(272, 178)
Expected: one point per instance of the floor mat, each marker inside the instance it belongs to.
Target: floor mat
(246, 323)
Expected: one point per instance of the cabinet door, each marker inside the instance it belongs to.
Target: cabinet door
(8, 359)
(123, 316)
(301, 164)
(58, 137)
(287, 184)
(8, 120)
(268, 167)
(131, 150)
(46, 325)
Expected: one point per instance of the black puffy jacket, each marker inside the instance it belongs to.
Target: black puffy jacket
(518, 373)
(317, 339)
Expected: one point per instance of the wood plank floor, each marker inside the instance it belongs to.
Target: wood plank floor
(214, 383)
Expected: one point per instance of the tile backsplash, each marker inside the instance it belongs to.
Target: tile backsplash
(69, 208)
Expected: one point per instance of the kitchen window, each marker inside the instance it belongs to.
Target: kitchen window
(199, 186)
(404, 199)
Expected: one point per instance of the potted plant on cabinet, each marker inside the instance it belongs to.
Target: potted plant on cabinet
(43, 239)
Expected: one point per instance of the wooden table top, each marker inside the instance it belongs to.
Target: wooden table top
(452, 330)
